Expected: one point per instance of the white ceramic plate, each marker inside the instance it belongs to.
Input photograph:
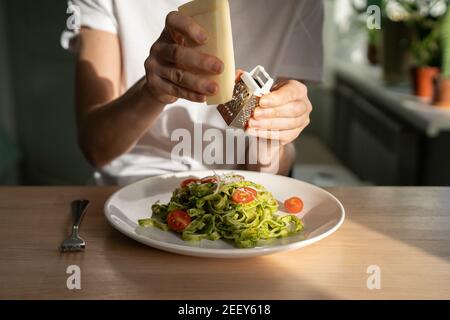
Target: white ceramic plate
(322, 214)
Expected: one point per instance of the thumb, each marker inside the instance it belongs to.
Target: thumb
(239, 73)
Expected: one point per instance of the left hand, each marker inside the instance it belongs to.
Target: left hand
(282, 114)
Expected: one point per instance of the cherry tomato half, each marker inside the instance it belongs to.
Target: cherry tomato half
(244, 195)
(251, 190)
(293, 205)
(187, 182)
(178, 220)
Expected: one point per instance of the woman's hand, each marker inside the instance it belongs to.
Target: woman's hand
(174, 70)
(283, 114)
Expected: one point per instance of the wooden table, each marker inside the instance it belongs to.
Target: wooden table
(404, 231)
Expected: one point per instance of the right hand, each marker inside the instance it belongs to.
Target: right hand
(174, 70)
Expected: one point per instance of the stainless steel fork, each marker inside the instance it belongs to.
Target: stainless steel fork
(74, 242)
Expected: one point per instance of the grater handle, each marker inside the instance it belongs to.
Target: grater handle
(247, 92)
(258, 81)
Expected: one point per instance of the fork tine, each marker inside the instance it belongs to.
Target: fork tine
(74, 242)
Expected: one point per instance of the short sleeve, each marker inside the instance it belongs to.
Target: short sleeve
(304, 54)
(94, 14)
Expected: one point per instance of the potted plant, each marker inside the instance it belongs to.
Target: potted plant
(423, 19)
(443, 84)
(425, 49)
(410, 35)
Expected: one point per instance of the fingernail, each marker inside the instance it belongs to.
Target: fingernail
(201, 37)
(212, 88)
(217, 67)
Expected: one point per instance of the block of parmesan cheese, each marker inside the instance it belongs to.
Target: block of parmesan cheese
(214, 16)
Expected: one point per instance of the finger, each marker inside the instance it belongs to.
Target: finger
(285, 136)
(176, 91)
(291, 91)
(290, 110)
(179, 22)
(279, 123)
(239, 73)
(173, 36)
(188, 58)
(187, 80)
(279, 83)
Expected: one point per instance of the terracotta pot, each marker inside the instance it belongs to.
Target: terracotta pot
(443, 93)
(423, 82)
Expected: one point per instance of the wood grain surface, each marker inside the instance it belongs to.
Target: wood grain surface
(404, 231)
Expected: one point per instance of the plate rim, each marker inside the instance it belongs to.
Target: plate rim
(220, 253)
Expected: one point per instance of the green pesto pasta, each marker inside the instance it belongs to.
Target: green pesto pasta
(214, 214)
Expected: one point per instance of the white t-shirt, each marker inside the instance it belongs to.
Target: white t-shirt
(284, 36)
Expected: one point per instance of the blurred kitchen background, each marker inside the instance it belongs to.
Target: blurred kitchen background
(381, 116)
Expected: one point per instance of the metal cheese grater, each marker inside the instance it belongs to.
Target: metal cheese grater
(247, 92)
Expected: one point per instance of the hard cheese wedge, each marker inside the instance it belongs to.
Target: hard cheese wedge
(214, 16)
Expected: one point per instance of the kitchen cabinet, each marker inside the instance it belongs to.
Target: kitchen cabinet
(387, 137)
